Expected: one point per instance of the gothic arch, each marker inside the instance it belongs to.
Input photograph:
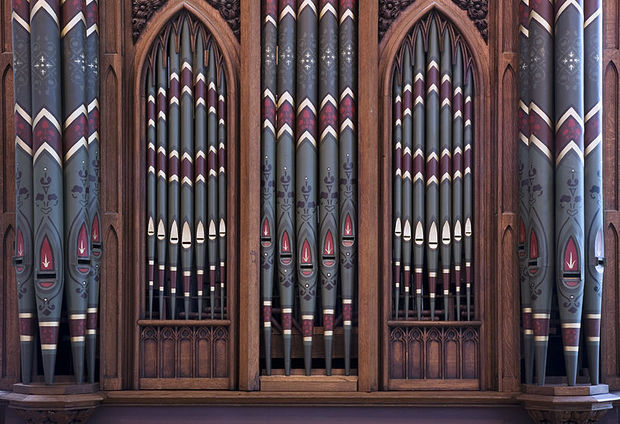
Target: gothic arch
(223, 374)
(484, 153)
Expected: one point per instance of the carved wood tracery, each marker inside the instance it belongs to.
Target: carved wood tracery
(477, 11)
(143, 10)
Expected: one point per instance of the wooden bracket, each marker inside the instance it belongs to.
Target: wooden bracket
(562, 404)
(54, 404)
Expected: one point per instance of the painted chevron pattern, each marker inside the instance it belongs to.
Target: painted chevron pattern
(200, 167)
(186, 154)
(76, 182)
(561, 227)
(24, 253)
(432, 202)
(187, 165)
(328, 247)
(407, 170)
(397, 161)
(56, 119)
(268, 167)
(524, 166)
(308, 160)
(173, 118)
(48, 217)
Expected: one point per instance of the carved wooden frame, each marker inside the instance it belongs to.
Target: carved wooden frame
(229, 48)
(483, 218)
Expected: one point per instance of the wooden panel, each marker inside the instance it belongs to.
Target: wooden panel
(314, 383)
(434, 355)
(184, 356)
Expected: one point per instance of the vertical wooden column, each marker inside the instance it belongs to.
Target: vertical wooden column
(504, 68)
(369, 197)
(249, 229)
(114, 106)
(9, 331)
(610, 344)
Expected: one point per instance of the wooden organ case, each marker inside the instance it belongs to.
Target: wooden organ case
(445, 64)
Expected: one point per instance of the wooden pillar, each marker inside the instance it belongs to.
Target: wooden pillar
(249, 207)
(369, 197)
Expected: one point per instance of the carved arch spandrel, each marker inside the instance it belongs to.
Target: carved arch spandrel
(228, 46)
(485, 154)
(477, 11)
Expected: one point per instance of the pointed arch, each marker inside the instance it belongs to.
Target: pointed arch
(483, 160)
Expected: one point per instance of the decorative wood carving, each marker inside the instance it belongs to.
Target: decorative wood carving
(188, 356)
(438, 354)
(142, 10)
(477, 10)
(53, 416)
(562, 404)
(59, 403)
(435, 356)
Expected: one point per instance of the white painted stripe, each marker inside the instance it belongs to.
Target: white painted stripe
(328, 99)
(269, 19)
(44, 113)
(595, 109)
(570, 146)
(347, 92)
(19, 142)
(80, 143)
(306, 103)
(534, 108)
(307, 3)
(534, 141)
(21, 21)
(569, 113)
(94, 28)
(81, 110)
(72, 23)
(47, 148)
(42, 4)
(571, 325)
(328, 8)
(285, 129)
(25, 116)
(541, 21)
(347, 14)
(285, 97)
(592, 17)
(565, 6)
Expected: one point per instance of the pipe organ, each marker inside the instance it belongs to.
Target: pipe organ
(432, 143)
(186, 142)
(186, 174)
(309, 203)
(309, 177)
